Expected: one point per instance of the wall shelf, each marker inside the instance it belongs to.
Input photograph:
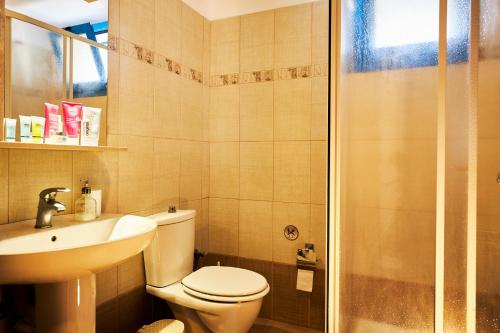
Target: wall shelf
(44, 146)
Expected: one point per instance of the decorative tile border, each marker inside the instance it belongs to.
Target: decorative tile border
(258, 76)
(289, 73)
(224, 80)
(140, 53)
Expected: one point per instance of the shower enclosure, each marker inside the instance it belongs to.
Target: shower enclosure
(415, 162)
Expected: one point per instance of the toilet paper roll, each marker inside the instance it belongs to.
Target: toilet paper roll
(305, 280)
(97, 195)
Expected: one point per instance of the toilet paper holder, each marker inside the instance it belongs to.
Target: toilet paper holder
(306, 257)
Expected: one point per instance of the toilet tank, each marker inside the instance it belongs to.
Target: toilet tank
(169, 257)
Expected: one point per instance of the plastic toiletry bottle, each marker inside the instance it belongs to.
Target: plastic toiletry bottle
(86, 205)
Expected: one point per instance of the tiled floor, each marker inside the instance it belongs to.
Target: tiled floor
(369, 326)
(271, 326)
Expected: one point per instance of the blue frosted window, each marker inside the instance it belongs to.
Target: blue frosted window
(394, 34)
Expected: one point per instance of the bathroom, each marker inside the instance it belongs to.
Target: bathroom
(271, 166)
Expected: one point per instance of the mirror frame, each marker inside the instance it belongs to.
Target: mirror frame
(68, 37)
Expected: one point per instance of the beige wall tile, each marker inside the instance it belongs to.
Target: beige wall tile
(136, 97)
(31, 171)
(257, 29)
(292, 53)
(257, 41)
(320, 29)
(137, 20)
(102, 171)
(319, 50)
(225, 46)
(131, 274)
(292, 110)
(225, 58)
(293, 36)
(194, 205)
(256, 111)
(319, 91)
(114, 17)
(293, 22)
(191, 110)
(4, 186)
(106, 285)
(256, 58)
(256, 170)
(255, 230)
(169, 10)
(223, 226)
(192, 50)
(202, 227)
(167, 105)
(224, 113)
(168, 28)
(319, 121)
(318, 171)
(226, 31)
(135, 77)
(206, 113)
(113, 114)
(317, 235)
(207, 41)
(284, 250)
(201, 222)
(205, 175)
(135, 174)
(292, 171)
(136, 115)
(224, 170)
(191, 168)
(192, 22)
(166, 173)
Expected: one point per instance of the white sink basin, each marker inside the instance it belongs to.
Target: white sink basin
(62, 262)
(69, 249)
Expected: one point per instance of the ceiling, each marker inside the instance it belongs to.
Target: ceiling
(219, 9)
(61, 13)
(72, 12)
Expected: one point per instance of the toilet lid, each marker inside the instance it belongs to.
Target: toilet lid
(225, 281)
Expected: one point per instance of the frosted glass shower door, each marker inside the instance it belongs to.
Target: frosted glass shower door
(417, 218)
(488, 167)
(387, 123)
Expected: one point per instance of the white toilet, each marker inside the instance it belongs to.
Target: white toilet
(216, 299)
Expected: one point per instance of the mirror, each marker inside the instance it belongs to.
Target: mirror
(54, 51)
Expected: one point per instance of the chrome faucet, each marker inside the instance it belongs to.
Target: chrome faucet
(47, 204)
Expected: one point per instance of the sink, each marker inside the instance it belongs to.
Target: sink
(62, 262)
(69, 249)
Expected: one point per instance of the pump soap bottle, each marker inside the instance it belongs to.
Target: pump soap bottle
(86, 205)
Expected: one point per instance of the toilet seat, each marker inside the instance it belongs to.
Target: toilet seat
(225, 284)
(226, 299)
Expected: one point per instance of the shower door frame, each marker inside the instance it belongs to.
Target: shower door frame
(334, 190)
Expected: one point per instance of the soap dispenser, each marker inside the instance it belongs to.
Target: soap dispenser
(86, 205)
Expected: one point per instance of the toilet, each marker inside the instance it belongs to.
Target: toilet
(217, 299)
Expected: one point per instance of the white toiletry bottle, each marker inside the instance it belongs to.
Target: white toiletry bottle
(85, 206)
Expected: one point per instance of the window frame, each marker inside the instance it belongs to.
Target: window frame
(368, 58)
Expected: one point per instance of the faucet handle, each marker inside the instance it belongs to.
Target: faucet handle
(50, 193)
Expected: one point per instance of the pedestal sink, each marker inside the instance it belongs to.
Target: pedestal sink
(62, 262)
